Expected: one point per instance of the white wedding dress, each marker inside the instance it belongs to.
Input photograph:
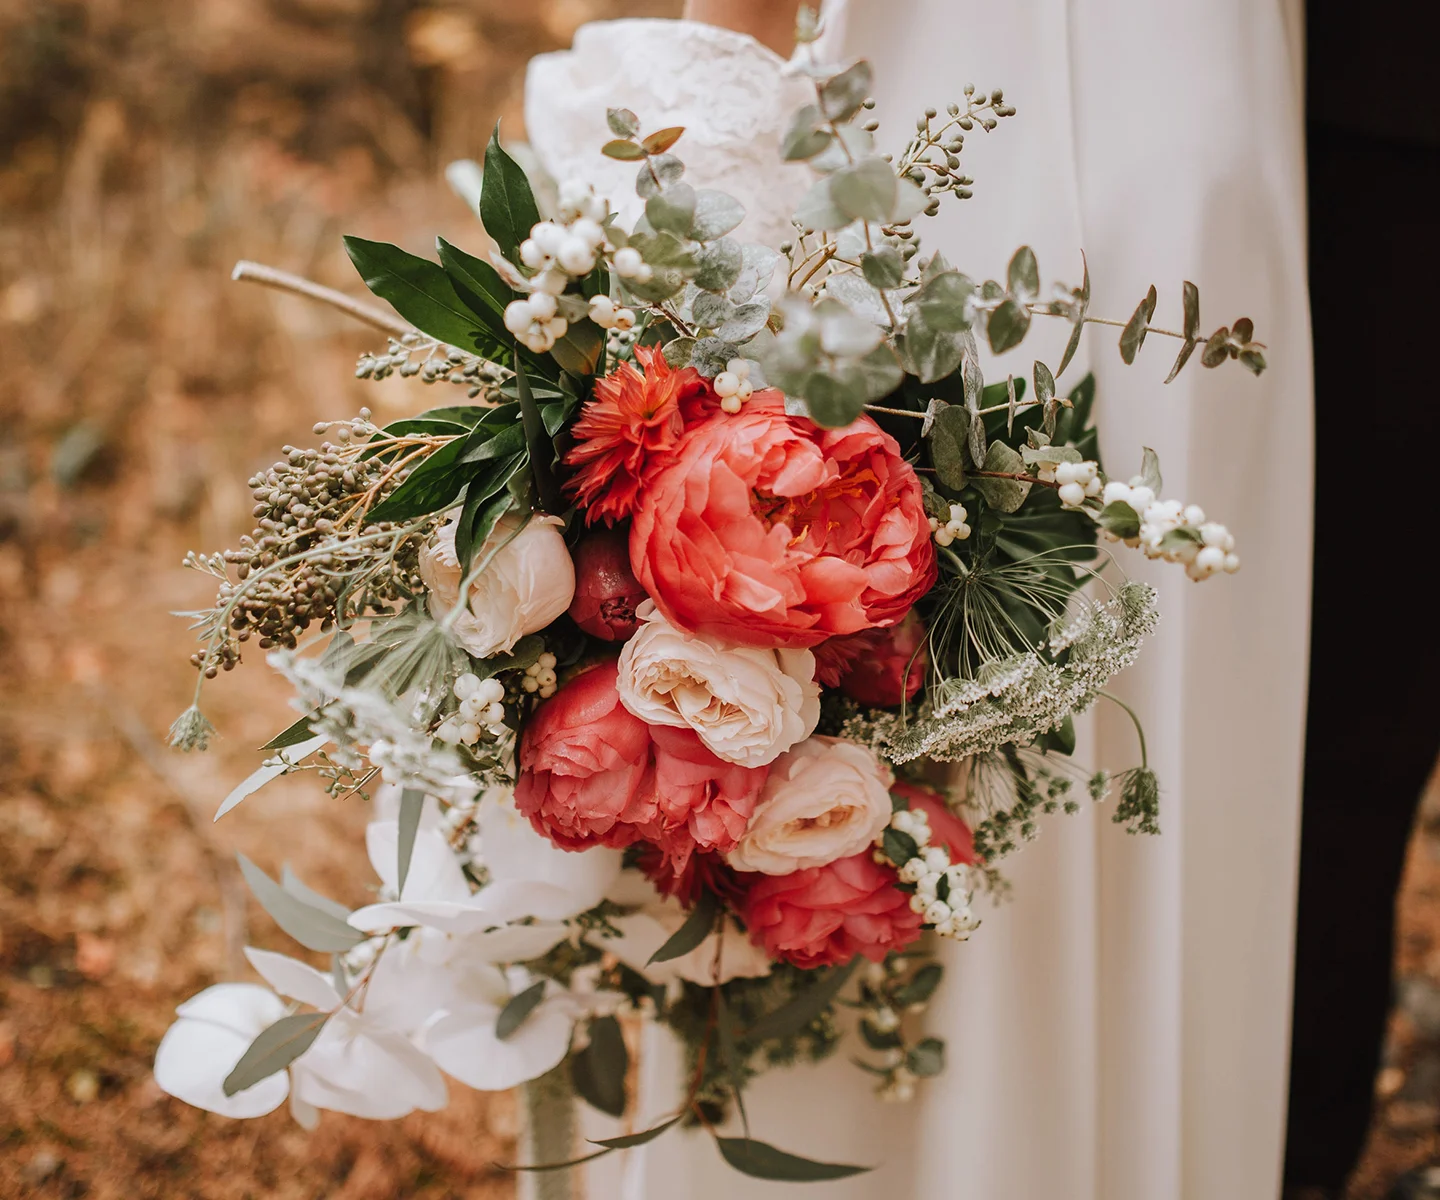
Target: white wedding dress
(1119, 1030)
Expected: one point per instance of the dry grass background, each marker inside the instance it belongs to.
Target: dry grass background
(145, 145)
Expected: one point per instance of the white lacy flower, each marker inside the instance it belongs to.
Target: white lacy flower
(529, 583)
(826, 799)
(747, 705)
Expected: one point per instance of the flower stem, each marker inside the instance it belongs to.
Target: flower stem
(1135, 720)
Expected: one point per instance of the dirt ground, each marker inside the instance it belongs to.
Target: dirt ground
(145, 145)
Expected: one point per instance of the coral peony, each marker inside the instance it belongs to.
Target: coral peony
(701, 801)
(583, 766)
(766, 530)
(946, 827)
(826, 915)
(606, 590)
(633, 420)
(701, 872)
(879, 667)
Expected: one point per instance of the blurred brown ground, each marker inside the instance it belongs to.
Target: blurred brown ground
(145, 145)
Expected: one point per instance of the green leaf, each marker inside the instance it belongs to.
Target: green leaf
(660, 172)
(1150, 471)
(842, 95)
(419, 290)
(698, 926)
(883, 268)
(579, 350)
(412, 804)
(947, 446)
(623, 123)
(291, 735)
(293, 884)
(716, 214)
(927, 1057)
(1177, 538)
(1074, 343)
(672, 210)
(517, 1008)
(920, 986)
(945, 301)
(678, 352)
(482, 511)
(1119, 518)
(711, 310)
(760, 1160)
(718, 265)
(313, 928)
(507, 205)
(274, 1049)
(867, 191)
(1191, 300)
(1132, 337)
(630, 1140)
(818, 208)
(478, 284)
(1217, 349)
(542, 450)
(431, 487)
(623, 149)
(899, 846)
(1008, 325)
(1023, 274)
(599, 1070)
(1050, 454)
(804, 1007)
(662, 139)
(1182, 358)
(930, 354)
(805, 136)
(1003, 495)
(747, 320)
(258, 778)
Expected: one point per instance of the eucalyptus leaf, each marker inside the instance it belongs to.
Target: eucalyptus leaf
(517, 1008)
(1150, 476)
(276, 1047)
(1182, 358)
(629, 1140)
(804, 1006)
(818, 208)
(297, 887)
(1050, 455)
(1023, 274)
(866, 191)
(945, 301)
(747, 320)
(412, 804)
(760, 1160)
(718, 265)
(842, 95)
(716, 214)
(697, 927)
(1007, 325)
(710, 311)
(883, 268)
(672, 210)
(1003, 495)
(677, 352)
(1074, 343)
(1132, 337)
(598, 1071)
(947, 446)
(662, 139)
(507, 205)
(622, 149)
(623, 123)
(1217, 349)
(288, 756)
(660, 172)
(850, 288)
(314, 928)
(930, 354)
(710, 354)
(1191, 301)
(805, 136)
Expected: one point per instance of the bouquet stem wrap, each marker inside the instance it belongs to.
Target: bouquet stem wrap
(547, 1134)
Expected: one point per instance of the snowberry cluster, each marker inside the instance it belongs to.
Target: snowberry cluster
(540, 677)
(954, 530)
(733, 385)
(627, 263)
(570, 245)
(942, 888)
(482, 710)
(1078, 482)
(536, 321)
(1177, 532)
(608, 315)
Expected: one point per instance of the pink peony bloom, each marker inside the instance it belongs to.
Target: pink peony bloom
(583, 766)
(606, 590)
(767, 530)
(879, 667)
(702, 802)
(820, 916)
(946, 827)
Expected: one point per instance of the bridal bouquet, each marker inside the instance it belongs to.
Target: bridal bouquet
(712, 652)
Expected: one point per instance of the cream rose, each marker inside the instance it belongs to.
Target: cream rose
(747, 705)
(528, 584)
(826, 799)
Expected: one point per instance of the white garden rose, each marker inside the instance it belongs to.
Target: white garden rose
(747, 705)
(826, 799)
(530, 582)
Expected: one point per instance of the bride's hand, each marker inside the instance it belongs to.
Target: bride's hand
(771, 22)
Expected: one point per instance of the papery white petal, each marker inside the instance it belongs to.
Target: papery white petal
(434, 872)
(196, 1053)
(489, 936)
(290, 977)
(359, 1068)
(386, 806)
(426, 973)
(464, 1044)
(514, 852)
(305, 1114)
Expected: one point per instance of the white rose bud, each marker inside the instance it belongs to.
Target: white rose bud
(826, 799)
(527, 585)
(748, 705)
